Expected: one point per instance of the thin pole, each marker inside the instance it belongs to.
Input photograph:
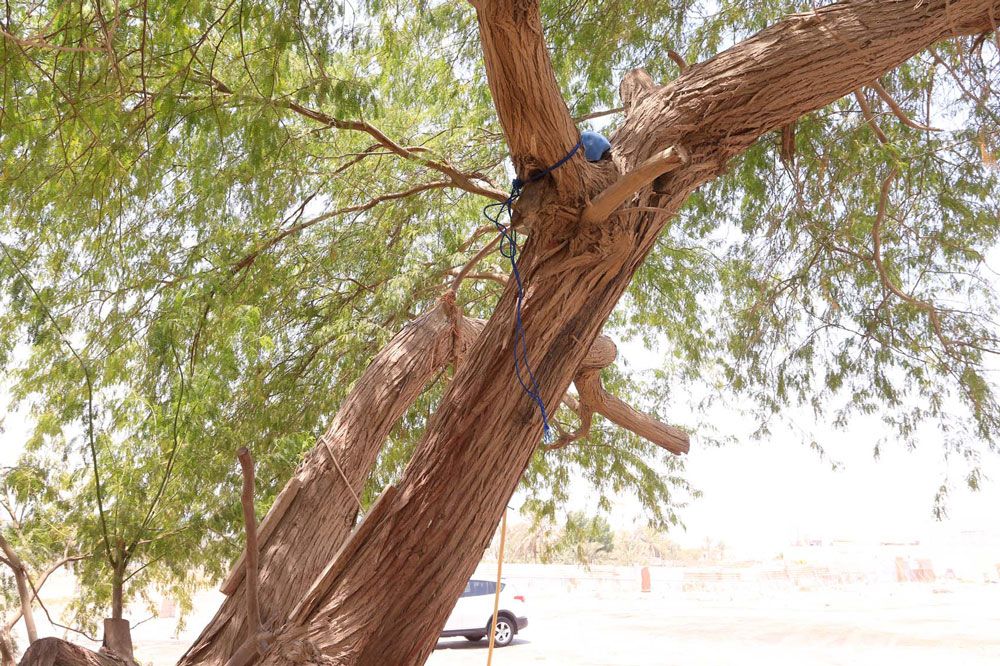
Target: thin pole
(496, 597)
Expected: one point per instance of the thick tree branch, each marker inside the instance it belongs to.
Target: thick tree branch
(719, 107)
(533, 114)
(594, 397)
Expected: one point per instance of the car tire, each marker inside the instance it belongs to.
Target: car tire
(474, 637)
(504, 631)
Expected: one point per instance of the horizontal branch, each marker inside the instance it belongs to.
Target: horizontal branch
(630, 183)
(594, 397)
(251, 257)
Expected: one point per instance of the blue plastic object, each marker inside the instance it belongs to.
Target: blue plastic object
(594, 145)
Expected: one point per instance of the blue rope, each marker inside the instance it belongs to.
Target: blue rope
(508, 249)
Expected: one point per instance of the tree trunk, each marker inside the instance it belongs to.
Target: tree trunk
(57, 652)
(322, 511)
(7, 649)
(384, 599)
(23, 588)
(316, 511)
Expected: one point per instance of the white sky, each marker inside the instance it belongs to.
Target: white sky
(760, 496)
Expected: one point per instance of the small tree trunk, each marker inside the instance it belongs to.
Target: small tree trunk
(117, 593)
(117, 630)
(6, 648)
(23, 588)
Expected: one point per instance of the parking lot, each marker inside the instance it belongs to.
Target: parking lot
(897, 625)
(605, 620)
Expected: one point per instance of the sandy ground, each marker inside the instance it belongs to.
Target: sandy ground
(914, 627)
(908, 624)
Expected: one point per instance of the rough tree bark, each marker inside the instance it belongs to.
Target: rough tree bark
(383, 597)
(24, 595)
(316, 511)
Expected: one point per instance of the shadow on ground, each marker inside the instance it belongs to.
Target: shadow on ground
(462, 644)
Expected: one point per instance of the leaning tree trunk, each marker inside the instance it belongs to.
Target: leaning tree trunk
(316, 510)
(385, 597)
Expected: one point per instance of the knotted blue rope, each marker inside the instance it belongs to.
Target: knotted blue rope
(508, 249)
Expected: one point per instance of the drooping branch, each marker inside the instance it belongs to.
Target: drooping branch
(458, 178)
(885, 279)
(866, 111)
(274, 240)
(898, 111)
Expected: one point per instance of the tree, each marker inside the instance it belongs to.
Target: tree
(35, 541)
(816, 294)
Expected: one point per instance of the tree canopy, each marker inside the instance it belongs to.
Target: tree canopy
(215, 213)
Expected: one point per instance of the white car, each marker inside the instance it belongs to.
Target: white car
(474, 611)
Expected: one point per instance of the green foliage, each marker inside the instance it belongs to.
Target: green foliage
(170, 238)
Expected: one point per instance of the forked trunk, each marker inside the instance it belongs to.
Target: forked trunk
(317, 510)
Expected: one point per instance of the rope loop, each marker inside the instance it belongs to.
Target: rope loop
(508, 250)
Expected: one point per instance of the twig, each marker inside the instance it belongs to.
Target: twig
(929, 308)
(898, 110)
(598, 114)
(866, 111)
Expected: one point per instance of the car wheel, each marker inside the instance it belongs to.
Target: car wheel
(503, 632)
(473, 637)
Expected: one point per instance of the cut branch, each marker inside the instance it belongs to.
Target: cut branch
(594, 397)
(630, 183)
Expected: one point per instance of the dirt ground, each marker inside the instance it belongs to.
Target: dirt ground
(858, 624)
(915, 626)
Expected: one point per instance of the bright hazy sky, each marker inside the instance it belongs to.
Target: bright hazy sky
(760, 496)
